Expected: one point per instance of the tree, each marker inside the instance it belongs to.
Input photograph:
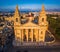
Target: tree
(54, 24)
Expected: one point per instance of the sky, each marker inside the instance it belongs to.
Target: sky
(30, 4)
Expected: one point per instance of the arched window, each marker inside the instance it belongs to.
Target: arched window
(41, 37)
(42, 19)
(18, 39)
(16, 19)
(41, 32)
(29, 30)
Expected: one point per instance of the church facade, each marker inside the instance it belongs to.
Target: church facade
(30, 32)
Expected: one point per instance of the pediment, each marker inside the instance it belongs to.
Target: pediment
(30, 24)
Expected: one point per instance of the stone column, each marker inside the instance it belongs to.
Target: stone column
(15, 34)
(17, 37)
(36, 34)
(32, 35)
(43, 35)
(39, 34)
(22, 34)
(26, 32)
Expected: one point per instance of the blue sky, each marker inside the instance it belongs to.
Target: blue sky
(30, 4)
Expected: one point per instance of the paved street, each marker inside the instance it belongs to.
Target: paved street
(35, 49)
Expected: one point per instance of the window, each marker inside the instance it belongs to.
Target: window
(42, 19)
(41, 32)
(16, 19)
(18, 33)
(29, 30)
(18, 38)
(41, 37)
(24, 38)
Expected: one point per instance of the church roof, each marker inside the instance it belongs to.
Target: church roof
(30, 23)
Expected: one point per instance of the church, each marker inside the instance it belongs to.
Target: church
(29, 32)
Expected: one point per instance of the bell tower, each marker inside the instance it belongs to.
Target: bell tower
(42, 16)
(17, 20)
(43, 24)
(17, 24)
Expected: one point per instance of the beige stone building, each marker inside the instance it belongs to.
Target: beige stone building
(30, 32)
